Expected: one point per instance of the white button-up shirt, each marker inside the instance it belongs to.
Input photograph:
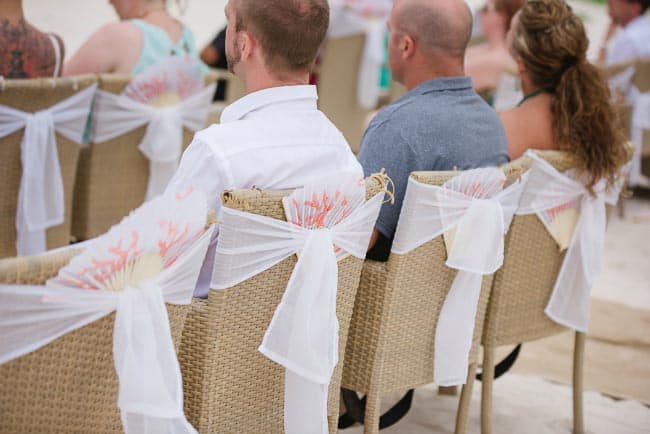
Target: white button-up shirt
(631, 42)
(275, 138)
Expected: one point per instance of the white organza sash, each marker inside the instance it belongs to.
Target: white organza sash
(150, 385)
(115, 115)
(476, 206)
(303, 334)
(548, 190)
(41, 203)
(348, 19)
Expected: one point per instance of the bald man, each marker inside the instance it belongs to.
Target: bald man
(440, 123)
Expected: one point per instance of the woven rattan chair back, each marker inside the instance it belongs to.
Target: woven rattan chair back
(113, 175)
(520, 293)
(392, 333)
(230, 387)
(337, 87)
(523, 285)
(69, 385)
(30, 96)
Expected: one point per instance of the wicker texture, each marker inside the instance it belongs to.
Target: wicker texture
(229, 386)
(69, 385)
(31, 96)
(521, 290)
(112, 176)
(392, 333)
(337, 87)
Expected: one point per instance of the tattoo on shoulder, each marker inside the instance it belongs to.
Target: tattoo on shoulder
(24, 51)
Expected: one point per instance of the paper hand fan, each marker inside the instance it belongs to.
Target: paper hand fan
(480, 183)
(325, 203)
(167, 82)
(144, 243)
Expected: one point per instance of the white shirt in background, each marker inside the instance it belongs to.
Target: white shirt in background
(631, 42)
(275, 138)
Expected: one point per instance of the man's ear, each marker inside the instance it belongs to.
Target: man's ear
(247, 44)
(407, 47)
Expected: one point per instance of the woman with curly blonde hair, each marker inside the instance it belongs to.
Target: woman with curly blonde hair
(567, 103)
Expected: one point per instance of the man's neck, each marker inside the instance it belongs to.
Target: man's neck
(12, 10)
(630, 20)
(259, 78)
(418, 76)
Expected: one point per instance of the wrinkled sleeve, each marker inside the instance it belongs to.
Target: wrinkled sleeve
(200, 169)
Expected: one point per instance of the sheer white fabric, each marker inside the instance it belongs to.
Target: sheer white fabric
(154, 264)
(303, 334)
(162, 144)
(479, 211)
(369, 18)
(41, 203)
(548, 191)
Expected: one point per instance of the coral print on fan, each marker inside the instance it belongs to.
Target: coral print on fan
(479, 191)
(325, 208)
(142, 245)
(552, 213)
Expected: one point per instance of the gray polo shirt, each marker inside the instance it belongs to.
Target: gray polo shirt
(441, 124)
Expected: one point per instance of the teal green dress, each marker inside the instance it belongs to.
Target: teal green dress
(157, 45)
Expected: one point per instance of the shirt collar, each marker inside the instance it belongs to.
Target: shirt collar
(303, 96)
(443, 83)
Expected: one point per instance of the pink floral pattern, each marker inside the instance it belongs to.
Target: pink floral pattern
(178, 220)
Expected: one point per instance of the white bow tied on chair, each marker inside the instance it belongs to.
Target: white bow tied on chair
(476, 206)
(41, 202)
(303, 334)
(162, 144)
(548, 191)
(151, 258)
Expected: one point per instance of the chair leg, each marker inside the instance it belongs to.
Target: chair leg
(462, 416)
(372, 414)
(578, 364)
(486, 390)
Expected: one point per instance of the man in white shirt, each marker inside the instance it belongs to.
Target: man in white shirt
(632, 40)
(274, 137)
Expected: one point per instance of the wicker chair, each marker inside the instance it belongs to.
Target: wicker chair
(31, 96)
(337, 87)
(112, 176)
(229, 386)
(520, 293)
(69, 385)
(391, 338)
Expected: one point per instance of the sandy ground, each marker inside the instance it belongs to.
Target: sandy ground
(535, 397)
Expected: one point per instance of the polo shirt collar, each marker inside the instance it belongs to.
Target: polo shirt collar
(443, 83)
(298, 96)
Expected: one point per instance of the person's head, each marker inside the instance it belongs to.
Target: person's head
(428, 37)
(622, 12)
(549, 45)
(128, 9)
(496, 15)
(281, 36)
